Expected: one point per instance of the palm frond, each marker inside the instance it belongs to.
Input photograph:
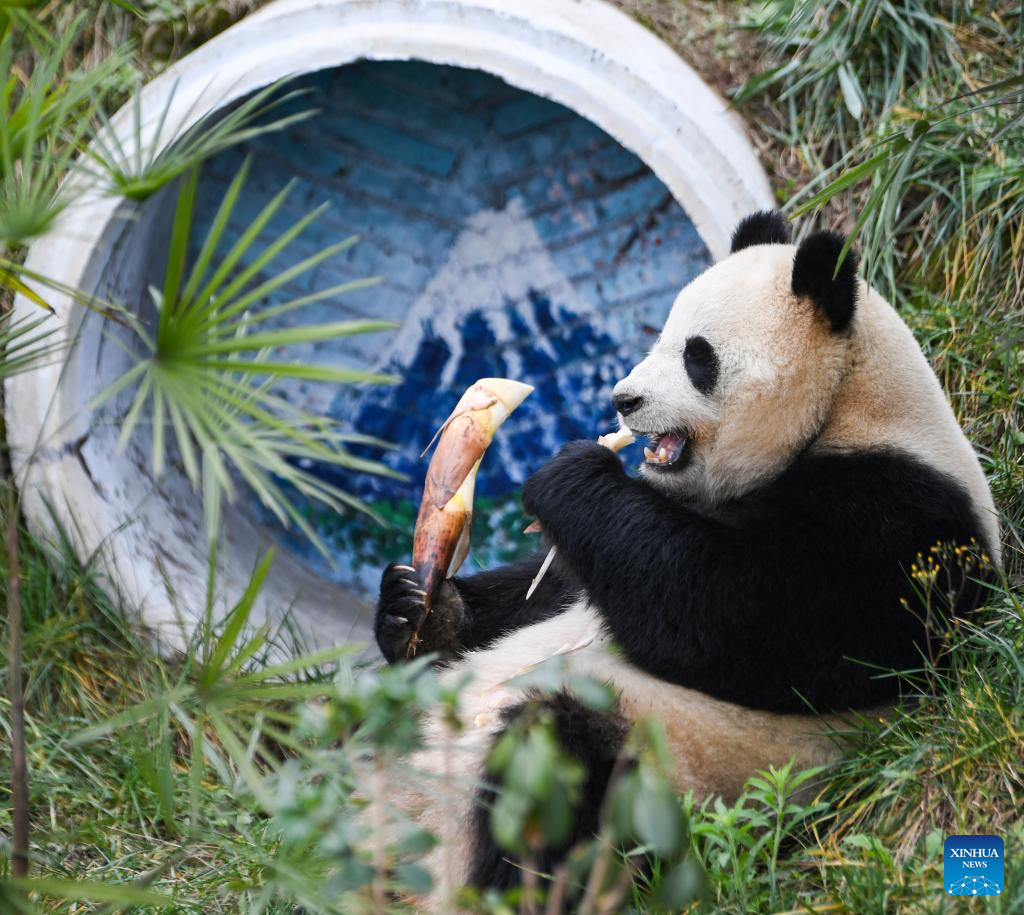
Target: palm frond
(25, 343)
(138, 168)
(206, 374)
(44, 122)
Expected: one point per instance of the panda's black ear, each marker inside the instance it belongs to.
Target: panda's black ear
(815, 276)
(765, 227)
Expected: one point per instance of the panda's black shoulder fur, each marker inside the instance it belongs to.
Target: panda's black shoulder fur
(765, 227)
(799, 593)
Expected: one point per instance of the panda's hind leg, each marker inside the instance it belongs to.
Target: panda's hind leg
(593, 738)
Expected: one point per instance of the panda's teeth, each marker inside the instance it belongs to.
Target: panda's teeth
(665, 449)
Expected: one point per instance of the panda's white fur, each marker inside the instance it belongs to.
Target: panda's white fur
(892, 397)
(786, 382)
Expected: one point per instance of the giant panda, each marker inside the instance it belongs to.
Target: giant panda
(754, 580)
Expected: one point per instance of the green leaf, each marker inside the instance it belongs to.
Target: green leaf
(195, 771)
(215, 232)
(853, 96)
(290, 336)
(178, 250)
(134, 715)
(295, 665)
(849, 178)
(265, 289)
(249, 318)
(757, 84)
(241, 759)
(224, 302)
(156, 764)
(236, 621)
(238, 250)
(416, 842)
(11, 281)
(413, 877)
(658, 818)
(131, 419)
(683, 884)
(302, 370)
(26, 344)
(623, 800)
(1010, 82)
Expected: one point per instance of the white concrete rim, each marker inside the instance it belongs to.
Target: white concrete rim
(583, 54)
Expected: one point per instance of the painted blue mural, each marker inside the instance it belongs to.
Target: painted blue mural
(514, 238)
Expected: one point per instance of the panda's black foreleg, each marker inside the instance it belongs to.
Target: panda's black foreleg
(467, 613)
(595, 739)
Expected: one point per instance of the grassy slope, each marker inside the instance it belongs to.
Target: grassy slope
(95, 815)
(950, 763)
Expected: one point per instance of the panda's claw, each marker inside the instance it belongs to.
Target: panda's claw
(393, 622)
(413, 644)
(411, 593)
(394, 633)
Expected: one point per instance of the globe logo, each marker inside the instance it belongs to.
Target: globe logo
(973, 865)
(973, 886)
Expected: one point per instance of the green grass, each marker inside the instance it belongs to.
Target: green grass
(950, 762)
(95, 815)
(125, 805)
(909, 115)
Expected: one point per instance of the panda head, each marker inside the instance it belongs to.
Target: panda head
(748, 364)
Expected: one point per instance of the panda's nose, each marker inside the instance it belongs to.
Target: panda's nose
(627, 403)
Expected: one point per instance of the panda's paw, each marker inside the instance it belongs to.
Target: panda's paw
(566, 483)
(401, 606)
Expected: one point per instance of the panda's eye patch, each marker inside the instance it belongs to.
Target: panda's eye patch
(701, 363)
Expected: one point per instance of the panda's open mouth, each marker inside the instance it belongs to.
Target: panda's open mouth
(666, 449)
